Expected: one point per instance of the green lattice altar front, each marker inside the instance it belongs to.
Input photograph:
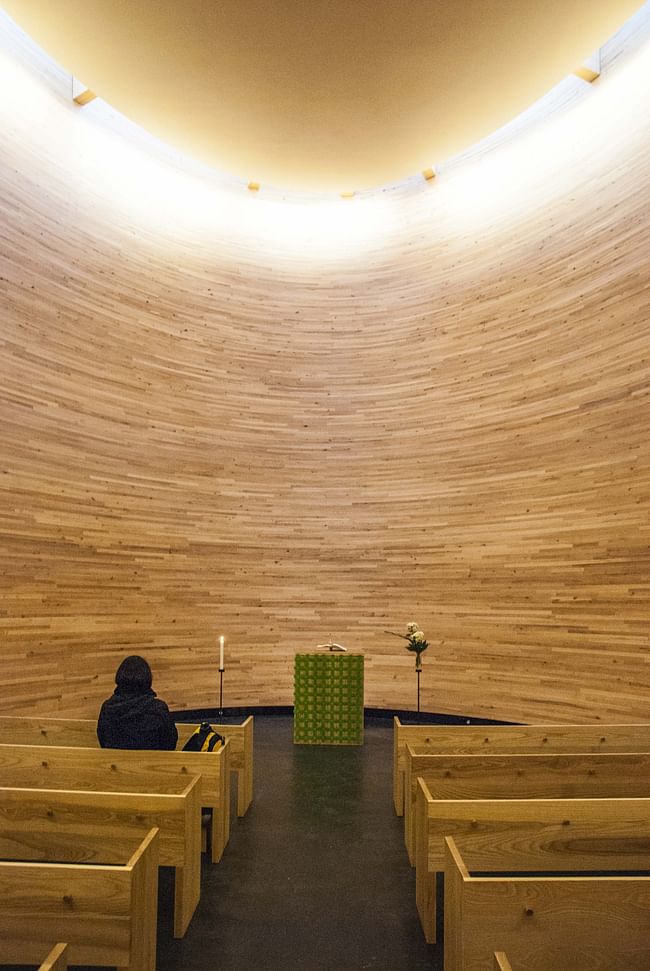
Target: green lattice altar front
(328, 699)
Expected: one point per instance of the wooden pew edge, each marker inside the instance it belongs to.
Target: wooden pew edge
(220, 826)
(398, 772)
(409, 823)
(455, 874)
(56, 960)
(245, 778)
(144, 863)
(425, 878)
(187, 882)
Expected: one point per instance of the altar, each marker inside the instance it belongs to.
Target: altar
(328, 699)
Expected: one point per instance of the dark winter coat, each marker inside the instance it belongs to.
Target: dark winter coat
(136, 721)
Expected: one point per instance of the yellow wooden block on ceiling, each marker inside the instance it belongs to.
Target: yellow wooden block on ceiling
(81, 93)
(590, 70)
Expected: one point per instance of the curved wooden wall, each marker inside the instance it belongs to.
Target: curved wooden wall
(202, 436)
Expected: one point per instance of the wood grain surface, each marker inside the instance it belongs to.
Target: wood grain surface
(492, 740)
(526, 834)
(206, 429)
(76, 826)
(106, 913)
(564, 776)
(72, 732)
(587, 923)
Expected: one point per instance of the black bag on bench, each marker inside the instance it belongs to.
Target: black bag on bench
(204, 739)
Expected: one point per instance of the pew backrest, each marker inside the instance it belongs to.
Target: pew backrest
(43, 730)
(51, 824)
(535, 831)
(532, 776)
(82, 732)
(512, 739)
(118, 770)
(608, 845)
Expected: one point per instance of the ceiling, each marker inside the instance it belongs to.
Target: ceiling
(320, 94)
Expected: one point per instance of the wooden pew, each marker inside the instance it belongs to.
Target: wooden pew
(501, 962)
(511, 739)
(120, 770)
(495, 820)
(531, 776)
(241, 755)
(39, 730)
(106, 913)
(56, 960)
(546, 922)
(60, 823)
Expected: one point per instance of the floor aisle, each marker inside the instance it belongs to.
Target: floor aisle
(316, 874)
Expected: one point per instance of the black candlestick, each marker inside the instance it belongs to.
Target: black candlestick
(221, 670)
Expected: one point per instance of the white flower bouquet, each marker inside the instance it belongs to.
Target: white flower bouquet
(416, 642)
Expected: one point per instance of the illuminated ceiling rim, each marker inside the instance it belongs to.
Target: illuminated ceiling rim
(350, 127)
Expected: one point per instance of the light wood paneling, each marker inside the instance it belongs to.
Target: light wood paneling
(203, 434)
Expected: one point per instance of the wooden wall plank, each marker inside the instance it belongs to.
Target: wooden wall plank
(200, 435)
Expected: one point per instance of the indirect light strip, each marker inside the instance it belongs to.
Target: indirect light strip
(152, 185)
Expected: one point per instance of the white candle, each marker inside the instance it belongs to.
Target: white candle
(221, 653)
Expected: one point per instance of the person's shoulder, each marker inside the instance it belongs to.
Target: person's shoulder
(160, 705)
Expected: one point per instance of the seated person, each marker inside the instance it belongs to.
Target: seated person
(133, 717)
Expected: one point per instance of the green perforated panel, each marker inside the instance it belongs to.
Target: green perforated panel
(328, 699)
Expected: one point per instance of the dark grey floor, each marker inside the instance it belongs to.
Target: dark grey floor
(315, 875)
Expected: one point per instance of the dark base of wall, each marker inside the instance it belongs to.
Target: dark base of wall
(406, 717)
